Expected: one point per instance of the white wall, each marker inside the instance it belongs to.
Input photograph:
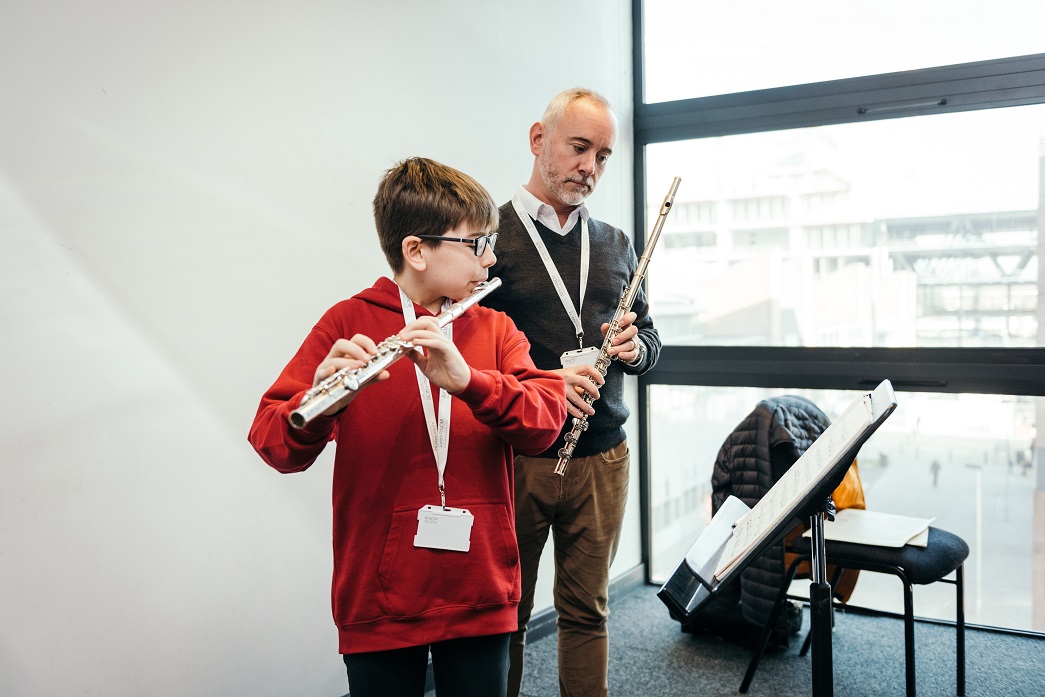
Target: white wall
(184, 188)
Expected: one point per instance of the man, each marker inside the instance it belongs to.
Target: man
(564, 274)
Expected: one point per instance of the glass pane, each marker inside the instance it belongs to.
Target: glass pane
(907, 232)
(698, 49)
(983, 488)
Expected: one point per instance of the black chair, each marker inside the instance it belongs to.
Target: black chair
(944, 554)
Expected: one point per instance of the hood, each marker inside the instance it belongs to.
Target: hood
(385, 294)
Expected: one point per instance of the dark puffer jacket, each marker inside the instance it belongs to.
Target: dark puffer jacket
(754, 456)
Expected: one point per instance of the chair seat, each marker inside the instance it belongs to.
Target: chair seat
(944, 553)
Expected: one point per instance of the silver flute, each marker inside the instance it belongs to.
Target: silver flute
(336, 387)
(602, 363)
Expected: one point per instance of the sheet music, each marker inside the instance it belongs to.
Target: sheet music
(797, 482)
(877, 528)
(715, 534)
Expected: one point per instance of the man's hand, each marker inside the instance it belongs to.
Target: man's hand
(625, 343)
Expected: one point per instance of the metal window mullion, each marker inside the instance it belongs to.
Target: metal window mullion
(964, 87)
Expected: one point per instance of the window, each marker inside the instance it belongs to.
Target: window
(919, 231)
(966, 460)
(848, 214)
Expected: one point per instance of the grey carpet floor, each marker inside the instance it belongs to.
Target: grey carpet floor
(651, 657)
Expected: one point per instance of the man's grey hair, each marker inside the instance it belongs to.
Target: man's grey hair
(559, 103)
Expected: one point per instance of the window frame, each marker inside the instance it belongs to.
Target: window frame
(998, 83)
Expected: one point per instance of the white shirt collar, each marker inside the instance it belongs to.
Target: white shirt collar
(546, 215)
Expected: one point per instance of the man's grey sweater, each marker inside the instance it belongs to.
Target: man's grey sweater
(529, 298)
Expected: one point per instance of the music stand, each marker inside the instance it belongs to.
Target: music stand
(737, 535)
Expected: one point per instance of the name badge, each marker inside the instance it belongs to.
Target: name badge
(444, 528)
(584, 356)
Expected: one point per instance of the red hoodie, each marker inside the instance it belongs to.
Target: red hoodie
(388, 594)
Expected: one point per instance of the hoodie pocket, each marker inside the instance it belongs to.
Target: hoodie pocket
(418, 579)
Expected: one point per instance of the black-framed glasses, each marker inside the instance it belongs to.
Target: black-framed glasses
(478, 244)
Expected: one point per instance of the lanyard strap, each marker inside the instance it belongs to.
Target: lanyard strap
(553, 272)
(438, 431)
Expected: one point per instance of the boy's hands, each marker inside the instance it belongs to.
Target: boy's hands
(577, 384)
(441, 363)
(347, 353)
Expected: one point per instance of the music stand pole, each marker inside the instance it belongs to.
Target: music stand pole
(820, 607)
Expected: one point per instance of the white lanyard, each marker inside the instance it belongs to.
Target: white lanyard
(438, 432)
(553, 273)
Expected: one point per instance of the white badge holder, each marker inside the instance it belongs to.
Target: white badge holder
(444, 528)
(582, 356)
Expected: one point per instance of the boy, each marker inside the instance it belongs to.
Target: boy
(411, 461)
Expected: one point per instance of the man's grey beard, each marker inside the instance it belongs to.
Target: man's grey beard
(554, 181)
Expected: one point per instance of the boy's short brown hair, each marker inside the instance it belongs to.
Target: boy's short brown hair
(419, 196)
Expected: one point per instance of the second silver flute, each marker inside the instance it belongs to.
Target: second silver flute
(602, 362)
(336, 387)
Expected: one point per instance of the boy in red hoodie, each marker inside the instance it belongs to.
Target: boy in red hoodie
(425, 557)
